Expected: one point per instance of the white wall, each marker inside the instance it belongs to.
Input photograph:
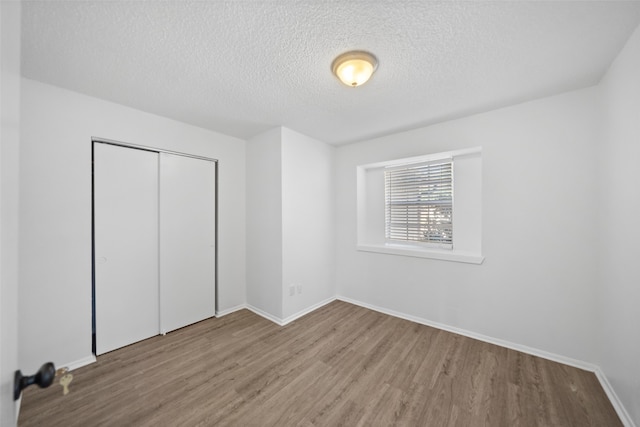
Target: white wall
(9, 176)
(307, 222)
(264, 223)
(55, 211)
(536, 285)
(289, 223)
(619, 290)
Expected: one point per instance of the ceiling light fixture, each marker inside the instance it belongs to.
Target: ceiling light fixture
(354, 68)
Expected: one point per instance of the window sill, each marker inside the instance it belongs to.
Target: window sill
(412, 251)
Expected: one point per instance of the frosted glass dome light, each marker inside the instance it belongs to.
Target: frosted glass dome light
(354, 68)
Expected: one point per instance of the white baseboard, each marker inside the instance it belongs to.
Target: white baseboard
(282, 322)
(613, 397)
(307, 311)
(230, 310)
(264, 314)
(80, 363)
(502, 343)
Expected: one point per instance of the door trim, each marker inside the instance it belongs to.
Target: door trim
(147, 148)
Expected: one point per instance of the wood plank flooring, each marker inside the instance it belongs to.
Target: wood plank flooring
(341, 365)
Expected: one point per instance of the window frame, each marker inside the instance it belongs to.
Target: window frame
(370, 211)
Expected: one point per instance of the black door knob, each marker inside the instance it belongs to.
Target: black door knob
(44, 378)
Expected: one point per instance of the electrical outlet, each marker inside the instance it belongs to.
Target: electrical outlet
(292, 290)
(299, 289)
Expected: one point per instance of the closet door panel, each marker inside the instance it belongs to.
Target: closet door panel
(126, 246)
(187, 241)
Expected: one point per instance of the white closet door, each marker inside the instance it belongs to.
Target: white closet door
(187, 241)
(126, 246)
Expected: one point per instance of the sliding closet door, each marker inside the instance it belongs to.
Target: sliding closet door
(126, 246)
(187, 241)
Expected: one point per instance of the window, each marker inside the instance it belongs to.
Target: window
(419, 203)
(407, 206)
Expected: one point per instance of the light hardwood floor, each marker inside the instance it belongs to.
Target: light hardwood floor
(340, 365)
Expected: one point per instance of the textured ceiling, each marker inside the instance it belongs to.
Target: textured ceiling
(242, 67)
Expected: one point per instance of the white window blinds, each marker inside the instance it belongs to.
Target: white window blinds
(419, 203)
